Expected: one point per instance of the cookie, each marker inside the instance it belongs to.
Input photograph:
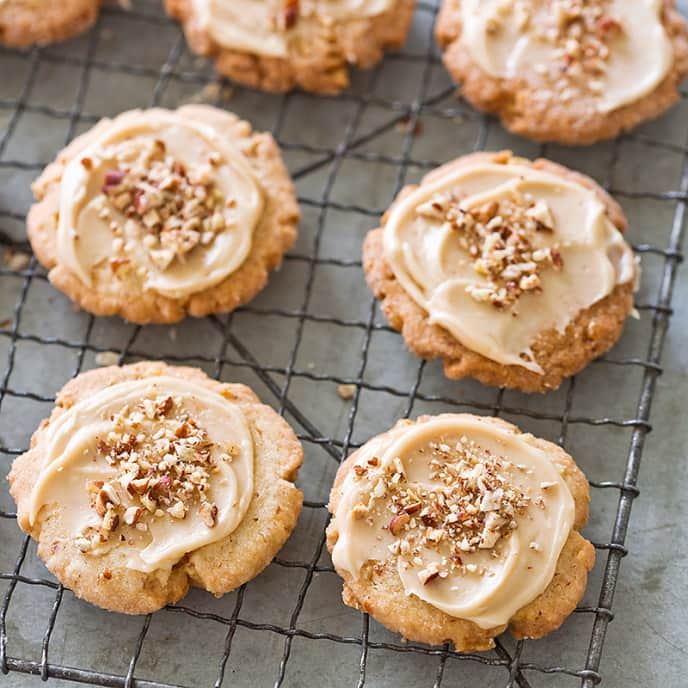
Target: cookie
(157, 214)
(455, 527)
(512, 272)
(569, 71)
(281, 44)
(149, 478)
(29, 22)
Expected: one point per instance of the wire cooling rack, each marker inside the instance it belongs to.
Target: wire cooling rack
(315, 329)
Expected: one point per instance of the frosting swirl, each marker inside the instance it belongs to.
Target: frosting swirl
(158, 198)
(613, 51)
(473, 515)
(147, 470)
(499, 253)
(267, 28)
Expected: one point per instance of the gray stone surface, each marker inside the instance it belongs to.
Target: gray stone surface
(646, 642)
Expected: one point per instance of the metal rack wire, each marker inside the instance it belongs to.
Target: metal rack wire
(235, 354)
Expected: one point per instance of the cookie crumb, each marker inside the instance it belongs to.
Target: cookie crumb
(107, 358)
(502, 239)
(163, 462)
(346, 392)
(405, 126)
(16, 260)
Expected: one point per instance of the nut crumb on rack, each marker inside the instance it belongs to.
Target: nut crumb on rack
(107, 358)
(163, 461)
(500, 237)
(470, 505)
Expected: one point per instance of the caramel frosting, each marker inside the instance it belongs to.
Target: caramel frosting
(267, 27)
(614, 51)
(146, 470)
(161, 198)
(473, 515)
(500, 253)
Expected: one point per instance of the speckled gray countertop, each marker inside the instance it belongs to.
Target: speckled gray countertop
(307, 333)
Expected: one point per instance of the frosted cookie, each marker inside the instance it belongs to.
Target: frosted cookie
(277, 45)
(566, 70)
(150, 478)
(157, 214)
(26, 22)
(455, 527)
(511, 271)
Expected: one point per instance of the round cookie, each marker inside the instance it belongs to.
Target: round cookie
(426, 517)
(521, 301)
(149, 479)
(157, 214)
(29, 22)
(281, 44)
(567, 71)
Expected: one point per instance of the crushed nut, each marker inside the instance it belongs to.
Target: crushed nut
(429, 573)
(16, 260)
(178, 510)
(164, 462)
(177, 208)
(290, 14)
(132, 514)
(359, 511)
(579, 32)
(110, 520)
(84, 544)
(501, 239)
(208, 513)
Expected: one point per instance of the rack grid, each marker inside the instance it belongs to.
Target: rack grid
(385, 150)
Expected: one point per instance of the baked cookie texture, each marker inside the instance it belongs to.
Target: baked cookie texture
(218, 567)
(378, 589)
(28, 22)
(524, 111)
(560, 354)
(124, 295)
(319, 64)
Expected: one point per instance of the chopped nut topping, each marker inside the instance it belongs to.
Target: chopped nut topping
(346, 392)
(580, 32)
(500, 238)
(290, 14)
(176, 208)
(470, 504)
(399, 523)
(164, 462)
(16, 260)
